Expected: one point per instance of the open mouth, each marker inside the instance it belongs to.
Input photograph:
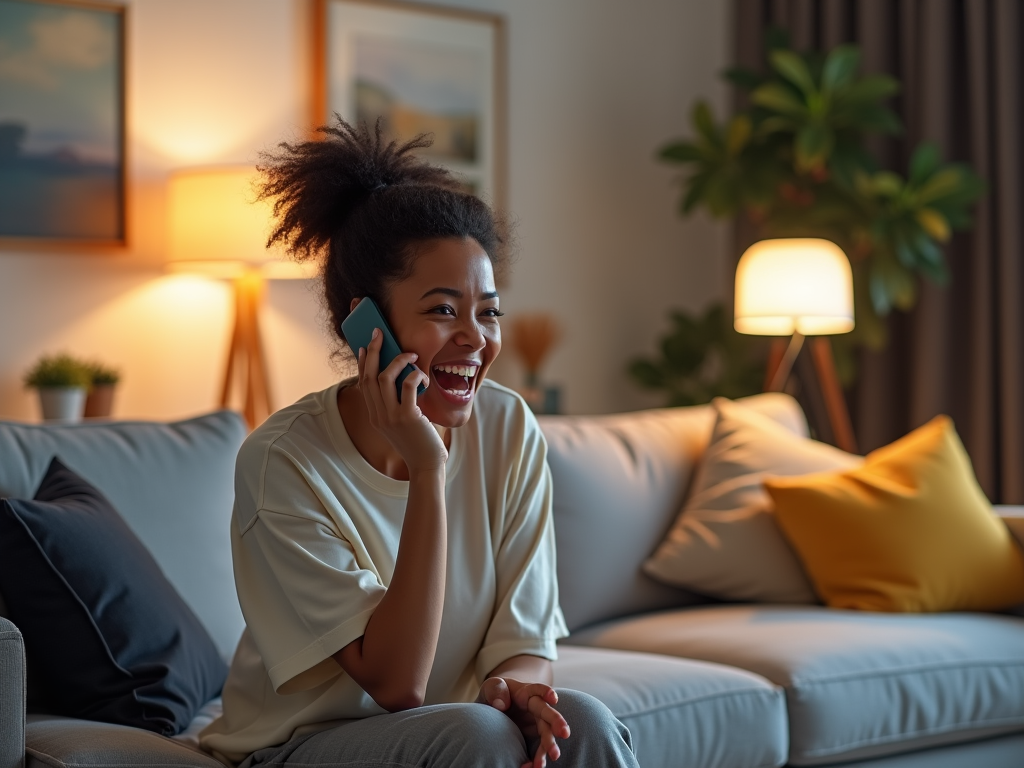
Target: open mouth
(455, 380)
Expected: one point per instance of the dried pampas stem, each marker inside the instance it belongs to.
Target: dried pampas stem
(532, 337)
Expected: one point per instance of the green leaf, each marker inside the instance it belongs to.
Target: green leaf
(886, 184)
(868, 90)
(840, 67)
(794, 69)
(891, 286)
(681, 152)
(776, 124)
(874, 117)
(743, 78)
(778, 97)
(923, 163)
(739, 134)
(647, 374)
(813, 144)
(697, 185)
(934, 223)
(941, 184)
(705, 123)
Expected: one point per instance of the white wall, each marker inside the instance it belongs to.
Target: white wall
(594, 87)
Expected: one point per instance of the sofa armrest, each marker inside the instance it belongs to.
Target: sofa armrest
(12, 696)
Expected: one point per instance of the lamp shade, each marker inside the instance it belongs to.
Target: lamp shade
(218, 228)
(802, 285)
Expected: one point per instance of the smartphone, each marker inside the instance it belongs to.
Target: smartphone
(358, 328)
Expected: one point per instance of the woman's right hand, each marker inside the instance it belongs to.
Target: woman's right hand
(402, 423)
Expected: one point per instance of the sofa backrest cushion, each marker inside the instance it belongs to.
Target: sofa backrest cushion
(172, 483)
(619, 481)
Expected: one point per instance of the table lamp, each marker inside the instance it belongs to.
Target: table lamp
(799, 287)
(217, 229)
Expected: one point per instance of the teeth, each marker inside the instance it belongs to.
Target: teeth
(469, 371)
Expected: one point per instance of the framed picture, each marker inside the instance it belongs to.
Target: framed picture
(419, 69)
(62, 124)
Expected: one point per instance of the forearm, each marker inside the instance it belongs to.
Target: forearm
(393, 658)
(525, 669)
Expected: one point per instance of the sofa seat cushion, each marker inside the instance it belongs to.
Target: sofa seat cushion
(62, 742)
(682, 713)
(858, 685)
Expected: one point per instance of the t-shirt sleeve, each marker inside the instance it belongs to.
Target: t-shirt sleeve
(527, 618)
(303, 592)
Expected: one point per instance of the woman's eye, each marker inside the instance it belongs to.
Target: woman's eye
(444, 309)
(492, 312)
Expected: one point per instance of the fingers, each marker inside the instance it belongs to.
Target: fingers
(548, 716)
(410, 387)
(547, 747)
(495, 692)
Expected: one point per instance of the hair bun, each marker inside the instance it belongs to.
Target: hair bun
(317, 185)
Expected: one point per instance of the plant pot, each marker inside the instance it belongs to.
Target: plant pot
(99, 404)
(62, 403)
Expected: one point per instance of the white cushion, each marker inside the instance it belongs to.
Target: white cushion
(682, 713)
(618, 483)
(172, 483)
(726, 543)
(858, 685)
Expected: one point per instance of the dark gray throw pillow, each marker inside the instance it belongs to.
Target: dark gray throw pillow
(106, 635)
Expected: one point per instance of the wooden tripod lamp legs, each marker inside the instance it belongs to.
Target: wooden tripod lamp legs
(780, 363)
(245, 356)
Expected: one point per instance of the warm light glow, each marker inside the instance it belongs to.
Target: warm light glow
(792, 285)
(218, 229)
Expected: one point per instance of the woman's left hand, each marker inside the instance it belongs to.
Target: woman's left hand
(531, 707)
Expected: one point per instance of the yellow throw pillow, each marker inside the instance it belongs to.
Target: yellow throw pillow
(910, 530)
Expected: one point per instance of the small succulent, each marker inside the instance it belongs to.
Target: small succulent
(60, 370)
(102, 375)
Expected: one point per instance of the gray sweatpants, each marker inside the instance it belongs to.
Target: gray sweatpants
(456, 736)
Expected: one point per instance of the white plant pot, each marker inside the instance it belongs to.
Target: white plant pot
(62, 403)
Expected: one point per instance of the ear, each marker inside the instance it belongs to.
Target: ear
(353, 304)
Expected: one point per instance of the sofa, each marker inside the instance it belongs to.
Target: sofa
(699, 683)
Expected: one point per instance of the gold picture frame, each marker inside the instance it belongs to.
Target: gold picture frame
(63, 163)
(422, 69)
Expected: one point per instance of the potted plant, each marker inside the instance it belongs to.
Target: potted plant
(99, 403)
(796, 162)
(62, 383)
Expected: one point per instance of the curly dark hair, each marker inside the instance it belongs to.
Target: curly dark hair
(359, 205)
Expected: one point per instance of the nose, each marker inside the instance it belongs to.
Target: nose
(470, 334)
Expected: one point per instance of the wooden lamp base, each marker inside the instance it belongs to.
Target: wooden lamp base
(780, 364)
(245, 356)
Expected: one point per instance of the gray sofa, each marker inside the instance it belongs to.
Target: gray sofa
(699, 684)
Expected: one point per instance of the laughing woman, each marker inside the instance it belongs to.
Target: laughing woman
(394, 557)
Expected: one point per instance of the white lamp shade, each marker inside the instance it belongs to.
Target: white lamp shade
(792, 285)
(218, 228)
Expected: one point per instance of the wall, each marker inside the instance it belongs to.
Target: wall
(594, 87)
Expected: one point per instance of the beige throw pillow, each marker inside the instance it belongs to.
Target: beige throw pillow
(726, 543)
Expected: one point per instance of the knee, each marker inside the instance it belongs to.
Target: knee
(586, 714)
(478, 735)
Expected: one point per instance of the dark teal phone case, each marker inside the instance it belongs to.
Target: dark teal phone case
(358, 328)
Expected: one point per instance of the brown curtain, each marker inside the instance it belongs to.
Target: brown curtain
(961, 350)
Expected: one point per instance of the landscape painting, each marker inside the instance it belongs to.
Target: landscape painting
(419, 88)
(418, 70)
(61, 122)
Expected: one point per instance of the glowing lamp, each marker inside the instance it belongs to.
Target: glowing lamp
(799, 287)
(218, 229)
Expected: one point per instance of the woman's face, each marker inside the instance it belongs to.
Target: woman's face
(446, 312)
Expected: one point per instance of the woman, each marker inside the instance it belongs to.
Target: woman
(394, 557)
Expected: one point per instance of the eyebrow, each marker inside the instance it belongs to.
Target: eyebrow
(457, 294)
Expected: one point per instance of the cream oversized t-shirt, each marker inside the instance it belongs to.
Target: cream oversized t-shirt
(314, 538)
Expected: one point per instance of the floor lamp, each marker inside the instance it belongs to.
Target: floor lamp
(218, 230)
(799, 287)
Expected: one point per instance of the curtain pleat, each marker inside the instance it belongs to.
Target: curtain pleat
(961, 349)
